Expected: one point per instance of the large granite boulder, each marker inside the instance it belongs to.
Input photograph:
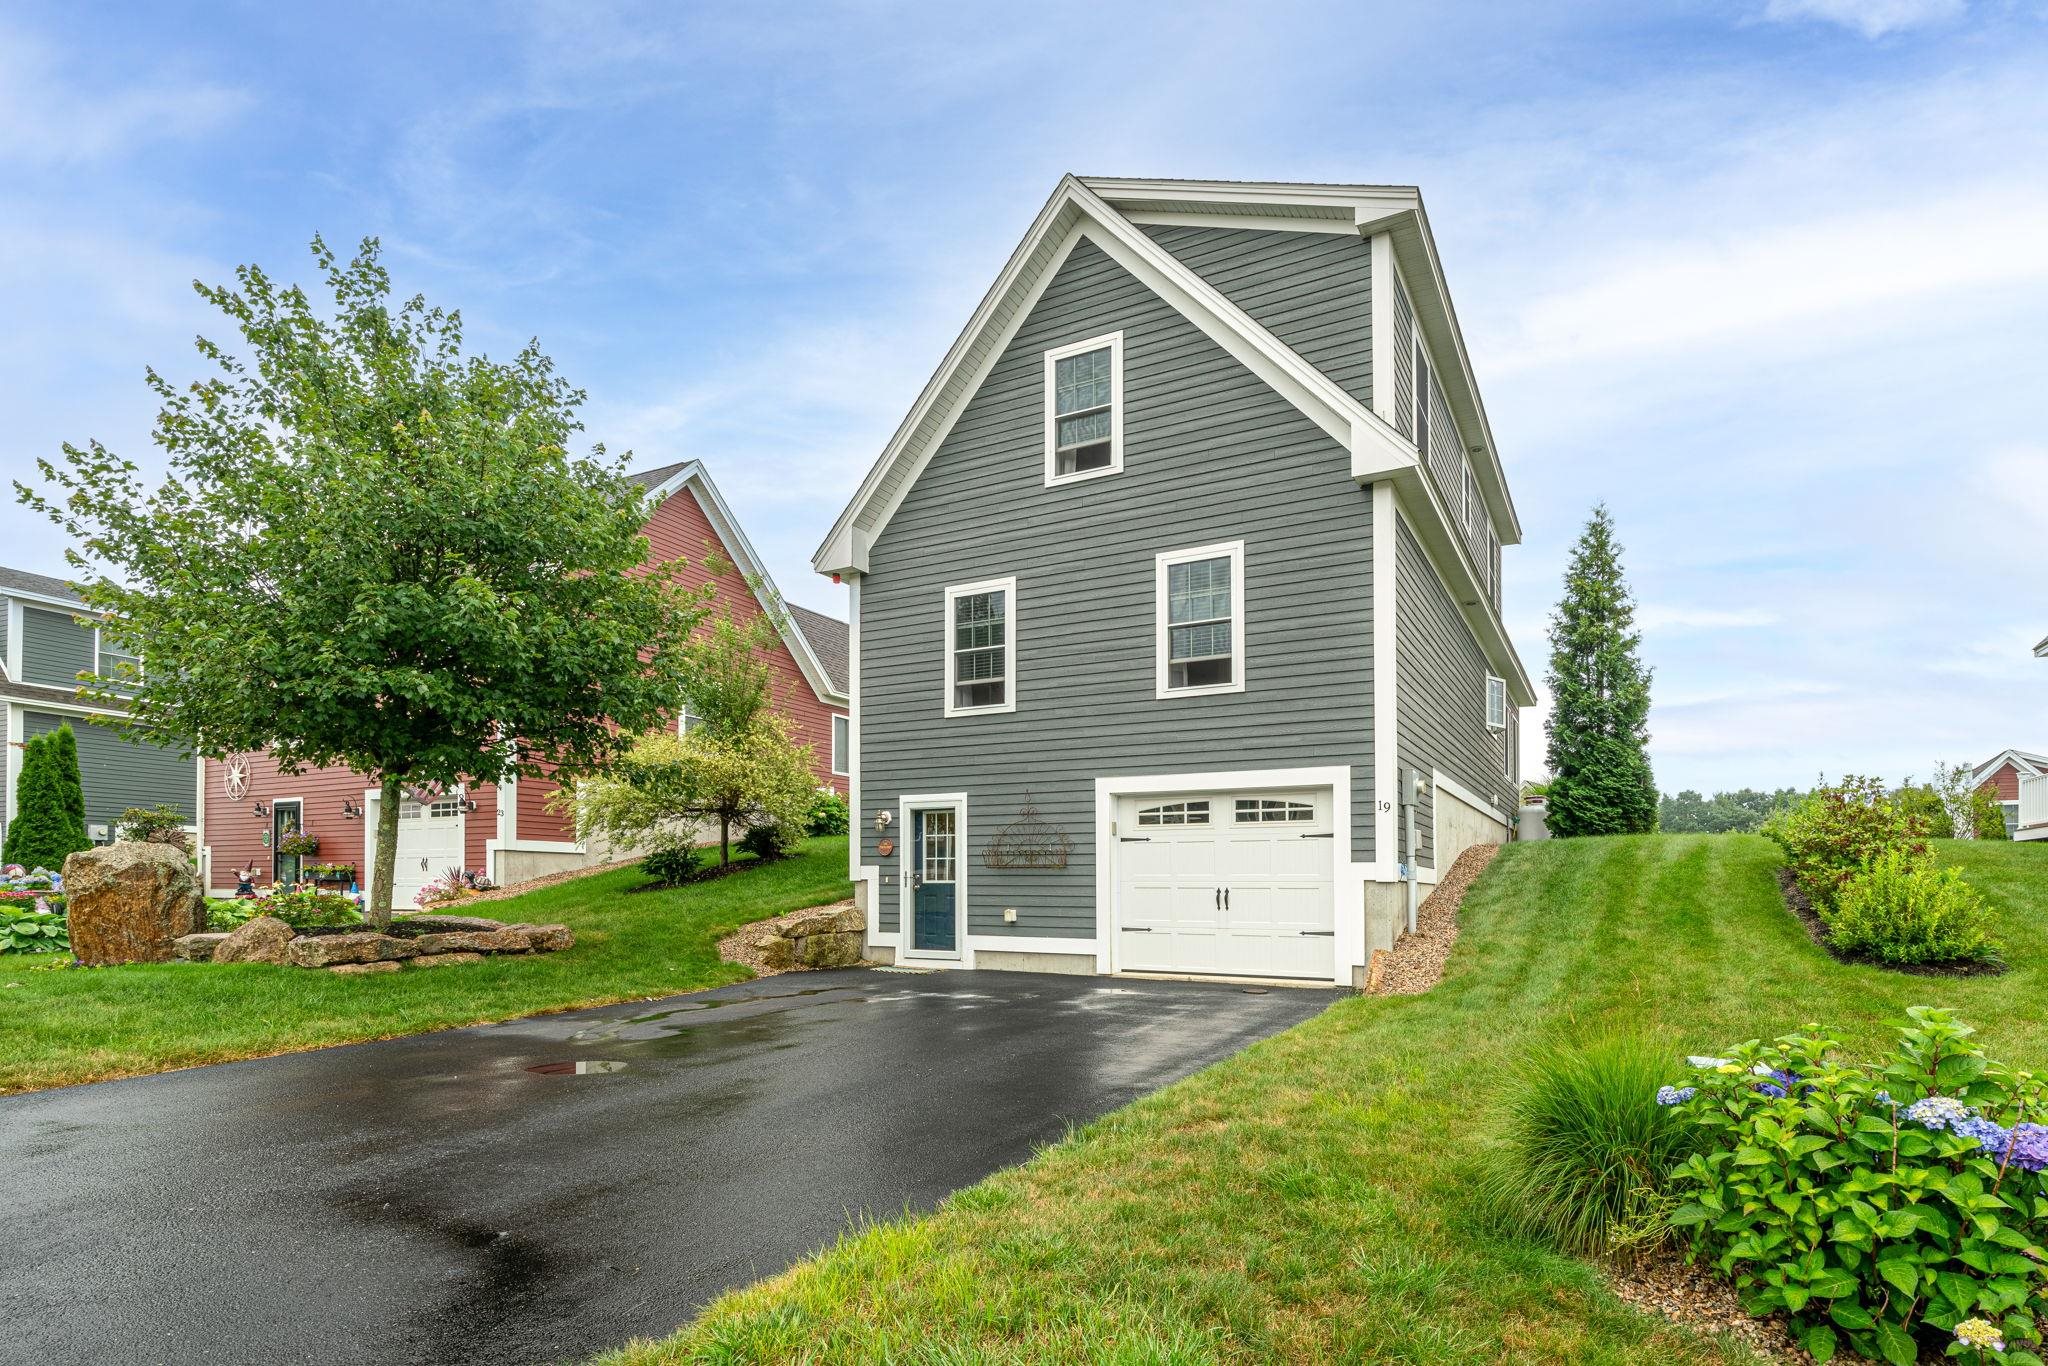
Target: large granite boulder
(263, 939)
(131, 903)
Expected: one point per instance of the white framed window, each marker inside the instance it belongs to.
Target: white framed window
(981, 647)
(1272, 811)
(1175, 813)
(688, 721)
(1084, 409)
(1201, 620)
(842, 746)
(1496, 703)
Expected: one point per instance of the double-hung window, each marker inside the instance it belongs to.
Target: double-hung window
(981, 655)
(1084, 409)
(842, 746)
(1496, 703)
(1201, 620)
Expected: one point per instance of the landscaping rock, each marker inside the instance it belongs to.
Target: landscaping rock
(131, 903)
(548, 938)
(504, 939)
(358, 969)
(198, 948)
(776, 952)
(263, 939)
(428, 922)
(830, 920)
(443, 960)
(362, 946)
(836, 949)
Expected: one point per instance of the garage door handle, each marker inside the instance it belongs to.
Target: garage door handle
(1326, 835)
(1319, 934)
(1137, 929)
(1136, 839)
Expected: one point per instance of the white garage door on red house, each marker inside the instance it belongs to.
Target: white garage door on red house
(1231, 884)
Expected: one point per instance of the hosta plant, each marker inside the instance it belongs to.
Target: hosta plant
(1899, 1206)
(29, 931)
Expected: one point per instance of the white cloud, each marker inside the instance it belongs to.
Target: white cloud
(1656, 617)
(1871, 18)
(55, 116)
(1758, 278)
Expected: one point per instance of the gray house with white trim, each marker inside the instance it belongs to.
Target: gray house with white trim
(46, 641)
(1186, 554)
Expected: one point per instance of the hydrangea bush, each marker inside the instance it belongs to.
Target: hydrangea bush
(1900, 1206)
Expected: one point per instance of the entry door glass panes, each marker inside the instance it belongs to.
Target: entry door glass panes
(284, 823)
(938, 847)
(981, 649)
(1198, 623)
(1081, 412)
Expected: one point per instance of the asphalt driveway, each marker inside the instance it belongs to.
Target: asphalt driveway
(538, 1190)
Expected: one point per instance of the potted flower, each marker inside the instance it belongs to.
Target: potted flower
(299, 843)
(339, 874)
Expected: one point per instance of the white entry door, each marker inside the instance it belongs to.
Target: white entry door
(429, 844)
(1235, 884)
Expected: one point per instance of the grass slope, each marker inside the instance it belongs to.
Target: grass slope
(1312, 1199)
(73, 1026)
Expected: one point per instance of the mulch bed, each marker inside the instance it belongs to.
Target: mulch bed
(1695, 1298)
(1417, 961)
(1817, 931)
(738, 947)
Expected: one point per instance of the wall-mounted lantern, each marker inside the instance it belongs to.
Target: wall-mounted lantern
(882, 819)
(350, 811)
(262, 810)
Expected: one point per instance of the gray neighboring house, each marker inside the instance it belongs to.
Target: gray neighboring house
(1188, 552)
(43, 649)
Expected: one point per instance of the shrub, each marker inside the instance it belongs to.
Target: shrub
(768, 841)
(1829, 834)
(1587, 1147)
(152, 825)
(672, 864)
(23, 929)
(300, 910)
(49, 803)
(1905, 910)
(1891, 1205)
(1923, 801)
(829, 815)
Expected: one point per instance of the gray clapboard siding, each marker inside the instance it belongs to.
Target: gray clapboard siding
(117, 774)
(1211, 454)
(1440, 690)
(1312, 290)
(54, 648)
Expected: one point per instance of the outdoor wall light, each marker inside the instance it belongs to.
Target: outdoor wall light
(262, 810)
(882, 819)
(469, 806)
(350, 811)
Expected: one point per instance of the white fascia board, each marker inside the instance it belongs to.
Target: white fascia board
(733, 536)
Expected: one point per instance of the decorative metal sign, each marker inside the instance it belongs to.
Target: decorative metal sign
(1030, 841)
(237, 780)
(885, 847)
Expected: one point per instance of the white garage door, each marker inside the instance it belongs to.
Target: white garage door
(429, 844)
(1233, 883)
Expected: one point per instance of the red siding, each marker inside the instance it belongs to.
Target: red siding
(536, 822)
(2006, 782)
(680, 530)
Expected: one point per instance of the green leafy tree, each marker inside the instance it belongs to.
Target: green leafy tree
(729, 681)
(46, 829)
(372, 550)
(1600, 697)
(658, 793)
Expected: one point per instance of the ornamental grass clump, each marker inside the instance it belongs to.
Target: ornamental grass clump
(1588, 1143)
(1901, 1207)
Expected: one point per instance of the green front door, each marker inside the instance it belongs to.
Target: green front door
(934, 873)
(285, 821)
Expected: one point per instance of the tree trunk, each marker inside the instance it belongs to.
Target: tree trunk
(389, 798)
(724, 841)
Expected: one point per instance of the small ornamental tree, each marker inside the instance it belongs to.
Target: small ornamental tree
(669, 784)
(372, 550)
(45, 829)
(1600, 697)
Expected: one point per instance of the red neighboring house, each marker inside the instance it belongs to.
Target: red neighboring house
(2019, 781)
(248, 806)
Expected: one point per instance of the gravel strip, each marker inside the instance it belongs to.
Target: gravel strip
(1417, 962)
(738, 947)
(1695, 1298)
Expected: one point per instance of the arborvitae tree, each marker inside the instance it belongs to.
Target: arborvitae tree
(44, 831)
(65, 741)
(1600, 697)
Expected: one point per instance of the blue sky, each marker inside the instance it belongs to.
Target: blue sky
(1769, 276)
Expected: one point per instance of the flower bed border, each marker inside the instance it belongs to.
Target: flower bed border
(1817, 930)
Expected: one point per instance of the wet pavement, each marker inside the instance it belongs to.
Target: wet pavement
(539, 1190)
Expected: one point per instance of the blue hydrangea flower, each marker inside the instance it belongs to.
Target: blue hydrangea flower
(1993, 1136)
(1937, 1112)
(1885, 1098)
(1676, 1095)
(2029, 1147)
(1780, 1084)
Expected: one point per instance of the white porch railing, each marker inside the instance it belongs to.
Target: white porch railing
(2033, 823)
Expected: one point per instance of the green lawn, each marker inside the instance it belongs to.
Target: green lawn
(1311, 1199)
(73, 1026)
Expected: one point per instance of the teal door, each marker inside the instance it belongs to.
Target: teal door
(933, 874)
(285, 821)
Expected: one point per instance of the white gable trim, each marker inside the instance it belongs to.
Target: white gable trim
(694, 477)
(2028, 765)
